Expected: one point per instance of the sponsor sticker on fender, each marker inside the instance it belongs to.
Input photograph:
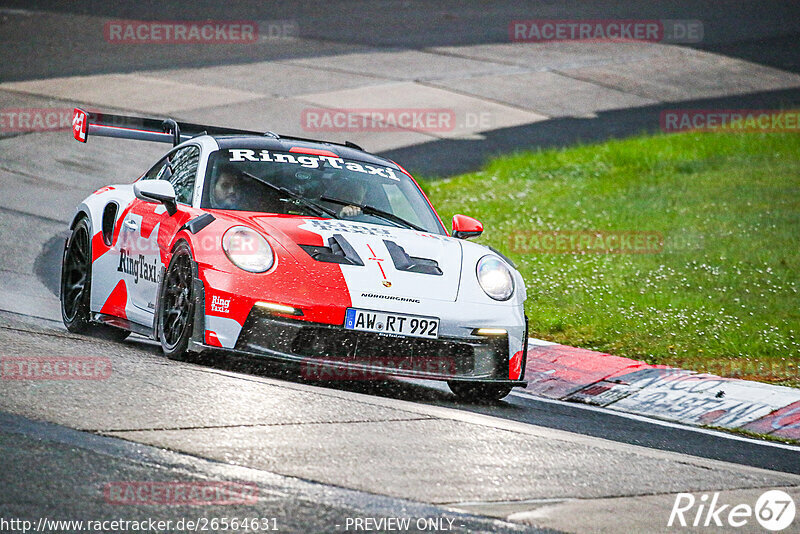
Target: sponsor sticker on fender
(138, 267)
(220, 305)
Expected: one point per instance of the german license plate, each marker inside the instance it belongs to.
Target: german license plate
(391, 323)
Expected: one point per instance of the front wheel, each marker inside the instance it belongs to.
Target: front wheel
(176, 306)
(478, 392)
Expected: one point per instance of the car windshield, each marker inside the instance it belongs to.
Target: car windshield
(270, 181)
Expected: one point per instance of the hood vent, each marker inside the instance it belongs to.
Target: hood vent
(337, 251)
(404, 262)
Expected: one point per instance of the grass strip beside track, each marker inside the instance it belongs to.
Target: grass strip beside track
(720, 296)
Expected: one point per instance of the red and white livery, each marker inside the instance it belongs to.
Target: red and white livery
(304, 251)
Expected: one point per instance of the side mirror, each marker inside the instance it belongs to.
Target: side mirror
(465, 227)
(157, 192)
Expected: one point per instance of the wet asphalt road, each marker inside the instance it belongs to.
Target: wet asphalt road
(324, 452)
(765, 32)
(312, 450)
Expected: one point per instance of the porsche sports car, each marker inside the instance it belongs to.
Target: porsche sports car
(298, 250)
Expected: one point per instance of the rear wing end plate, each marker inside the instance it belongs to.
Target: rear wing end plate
(85, 124)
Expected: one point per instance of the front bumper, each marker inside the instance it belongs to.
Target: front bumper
(330, 352)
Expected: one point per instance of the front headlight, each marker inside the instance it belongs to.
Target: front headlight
(247, 249)
(495, 278)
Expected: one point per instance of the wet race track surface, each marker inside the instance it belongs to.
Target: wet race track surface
(321, 455)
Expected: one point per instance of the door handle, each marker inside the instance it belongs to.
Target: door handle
(131, 225)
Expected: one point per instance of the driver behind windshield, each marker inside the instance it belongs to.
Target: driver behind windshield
(233, 188)
(353, 191)
(226, 191)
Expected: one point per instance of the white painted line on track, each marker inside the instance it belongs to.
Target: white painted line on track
(659, 422)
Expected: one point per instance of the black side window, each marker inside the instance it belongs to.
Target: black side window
(183, 169)
(180, 168)
(159, 169)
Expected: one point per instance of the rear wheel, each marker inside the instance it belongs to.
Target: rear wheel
(477, 391)
(76, 284)
(176, 306)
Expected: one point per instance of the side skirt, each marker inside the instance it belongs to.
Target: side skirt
(125, 324)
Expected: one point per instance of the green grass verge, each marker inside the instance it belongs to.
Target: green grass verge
(721, 296)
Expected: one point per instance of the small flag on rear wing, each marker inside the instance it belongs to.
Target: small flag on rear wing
(86, 123)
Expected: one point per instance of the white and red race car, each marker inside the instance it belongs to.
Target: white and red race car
(304, 251)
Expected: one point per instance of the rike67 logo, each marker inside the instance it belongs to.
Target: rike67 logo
(774, 510)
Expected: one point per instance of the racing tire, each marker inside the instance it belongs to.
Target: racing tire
(478, 392)
(176, 304)
(76, 285)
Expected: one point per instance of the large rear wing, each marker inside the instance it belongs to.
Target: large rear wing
(86, 123)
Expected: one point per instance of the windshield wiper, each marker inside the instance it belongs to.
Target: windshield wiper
(371, 210)
(313, 206)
